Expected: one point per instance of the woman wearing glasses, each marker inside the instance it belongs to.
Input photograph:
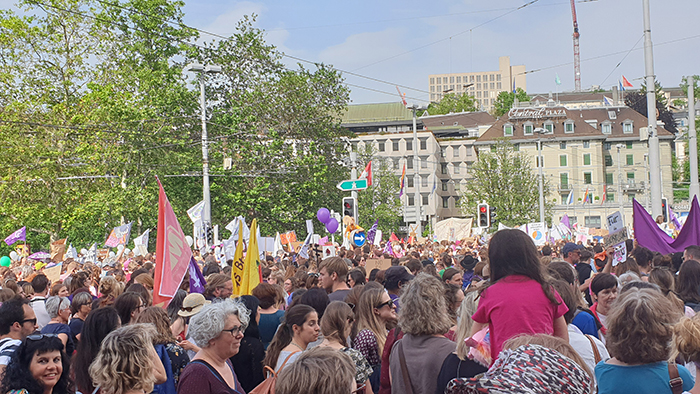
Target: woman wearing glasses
(218, 330)
(374, 313)
(38, 366)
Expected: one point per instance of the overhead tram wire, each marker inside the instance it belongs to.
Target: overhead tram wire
(623, 59)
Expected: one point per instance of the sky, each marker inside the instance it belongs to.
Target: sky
(391, 43)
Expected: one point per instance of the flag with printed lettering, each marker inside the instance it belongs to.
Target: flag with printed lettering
(19, 235)
(238, 263)
(173, 255)
(251, 269)
(119, 235)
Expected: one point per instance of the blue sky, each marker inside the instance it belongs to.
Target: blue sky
(403, 42)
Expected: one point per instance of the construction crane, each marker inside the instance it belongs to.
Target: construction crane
(577, 53)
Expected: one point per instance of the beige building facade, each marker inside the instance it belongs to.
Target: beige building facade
(484, 86)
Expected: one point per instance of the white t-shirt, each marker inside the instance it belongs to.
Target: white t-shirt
(39, 306)
(582, 345)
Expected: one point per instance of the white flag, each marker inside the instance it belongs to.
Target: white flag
(195, 213)
(233, 227)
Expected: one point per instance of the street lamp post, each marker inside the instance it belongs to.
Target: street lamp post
(654, 155)
(540, 131)
(201, 69)
(619, 180)
(416, 166)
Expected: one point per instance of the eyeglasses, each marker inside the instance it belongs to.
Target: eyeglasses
(33, 321)
(390, 303)
(39, 337)
(190, 308)
(235, 330)
(359, 389)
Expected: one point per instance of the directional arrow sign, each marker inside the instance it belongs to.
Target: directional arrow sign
(359, 238)
(357, 184)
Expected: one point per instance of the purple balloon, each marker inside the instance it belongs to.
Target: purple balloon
(323, 215)
(332, 225)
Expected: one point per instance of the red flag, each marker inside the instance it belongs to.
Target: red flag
(367, 174)
(605, 194)
(172, 253)
(626, 83)
(393, 238)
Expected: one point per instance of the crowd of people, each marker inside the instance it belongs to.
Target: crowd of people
(450, 317)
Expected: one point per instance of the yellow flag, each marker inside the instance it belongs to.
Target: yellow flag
(238, 263)
(251, 268)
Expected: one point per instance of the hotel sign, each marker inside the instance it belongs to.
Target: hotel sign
(536, 113)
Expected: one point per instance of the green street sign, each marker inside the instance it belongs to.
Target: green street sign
(349, 185)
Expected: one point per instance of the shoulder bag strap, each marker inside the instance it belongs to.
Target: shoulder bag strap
(287, 359)
(676, 382)
(404, 369)
(596, 353)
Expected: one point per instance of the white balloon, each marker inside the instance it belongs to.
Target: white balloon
(83, 251)
(112, 254)
(189, 240)
(14, 256)
(127, 251)
(120, 248)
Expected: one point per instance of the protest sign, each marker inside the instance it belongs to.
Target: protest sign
(382, 264)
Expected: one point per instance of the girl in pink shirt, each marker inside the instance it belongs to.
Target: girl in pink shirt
(519, 299)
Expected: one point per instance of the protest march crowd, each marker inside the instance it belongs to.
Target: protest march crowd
(469, 316)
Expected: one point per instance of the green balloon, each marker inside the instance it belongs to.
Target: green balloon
(5, 261)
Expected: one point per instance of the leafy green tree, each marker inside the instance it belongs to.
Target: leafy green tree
(504, 101)
(453, 103)
(380, 201)
(638, 102)
(505, 179)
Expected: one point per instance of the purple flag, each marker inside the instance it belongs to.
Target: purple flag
(565, 221)
(649, 235)
(197, 281)
(19, 235)
(40, 256)
(674, 219)
(372, 232)
(388, 249)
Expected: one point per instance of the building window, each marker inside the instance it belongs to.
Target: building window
(424, 162)
(586, 144)
(549, 127)
(527, 128)
(445, 202)
(607, 145)
(382, 146)
(508, 130)
(424, 181)
(586, 159)
(423, 144)
(455, 168)
(608, 160)
(606, 127)
(443, 152)
(425, 200)
(432, 97)
(562, 145)
(562, 161)
(564, 180)
(587, 178)
(478, 78)
(443, 169)
(459, 79)
(498, 85)
(630, 177)
(569, 126)
(439, 88)
(627, 127)
(432, 81)
(409, 164)
(630, 160)
(395, 146)
(493, 148)
(455, 151)
(411, 200)
(498, 77)
(444, 186)
(611, 197)
(452, 79)
(409, 145)
(592, 221)
(516, 147)
(492, 77)
(410, 181)
(432, 88)
(396, 163)
(608, 179)
(631, 196)
(471, 78)
(629, 144)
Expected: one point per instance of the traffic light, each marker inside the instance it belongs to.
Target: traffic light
(664, 209)
(492, 215)
(350, 207)
(483, 215)
(209, 235)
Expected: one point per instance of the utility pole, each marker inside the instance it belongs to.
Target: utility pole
(353, 172)
(654, 154)
(619, 181)
(416, 176)
(692, 140)
(541, 183)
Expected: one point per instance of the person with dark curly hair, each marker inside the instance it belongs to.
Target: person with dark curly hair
(38, 366)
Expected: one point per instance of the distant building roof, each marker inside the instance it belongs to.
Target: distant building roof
(461, 120)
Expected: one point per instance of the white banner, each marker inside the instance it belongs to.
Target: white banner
(195, 213)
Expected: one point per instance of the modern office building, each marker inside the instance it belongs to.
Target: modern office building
(484, 86)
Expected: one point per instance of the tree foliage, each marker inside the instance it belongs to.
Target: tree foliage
(94, 104)
(504, 101)
(453, 103)
(638, 102)
(505, 179)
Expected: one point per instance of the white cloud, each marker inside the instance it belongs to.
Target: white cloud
(361, 49)
(225, 23)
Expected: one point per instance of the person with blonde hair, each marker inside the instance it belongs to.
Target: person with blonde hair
(374, 312)
(110, 288)
(165, 343)
(321, 370)
(686, 343)
(457, 364)
(640, 329)
(336, 325)
(416, 358)
(127, 362)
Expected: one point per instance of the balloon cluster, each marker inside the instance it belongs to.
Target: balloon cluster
(324, 216)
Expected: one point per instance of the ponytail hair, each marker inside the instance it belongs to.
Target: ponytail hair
(295, 315)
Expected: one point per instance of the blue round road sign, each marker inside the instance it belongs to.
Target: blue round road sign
(359, 238)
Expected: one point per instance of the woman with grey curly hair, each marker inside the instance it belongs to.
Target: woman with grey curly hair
(59, 311)
(416, 359)
(218, 329)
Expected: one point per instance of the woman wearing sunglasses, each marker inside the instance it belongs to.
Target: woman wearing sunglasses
(38, 366)
(374, 313)
(218, 329)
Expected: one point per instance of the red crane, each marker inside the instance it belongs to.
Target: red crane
(577, 53)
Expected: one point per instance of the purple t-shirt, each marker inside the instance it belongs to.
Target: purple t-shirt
(200, 377)
(517, 305)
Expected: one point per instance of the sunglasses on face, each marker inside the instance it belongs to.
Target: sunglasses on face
(190, 308)
(39, 337)
(33, 321)
(390, 303)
